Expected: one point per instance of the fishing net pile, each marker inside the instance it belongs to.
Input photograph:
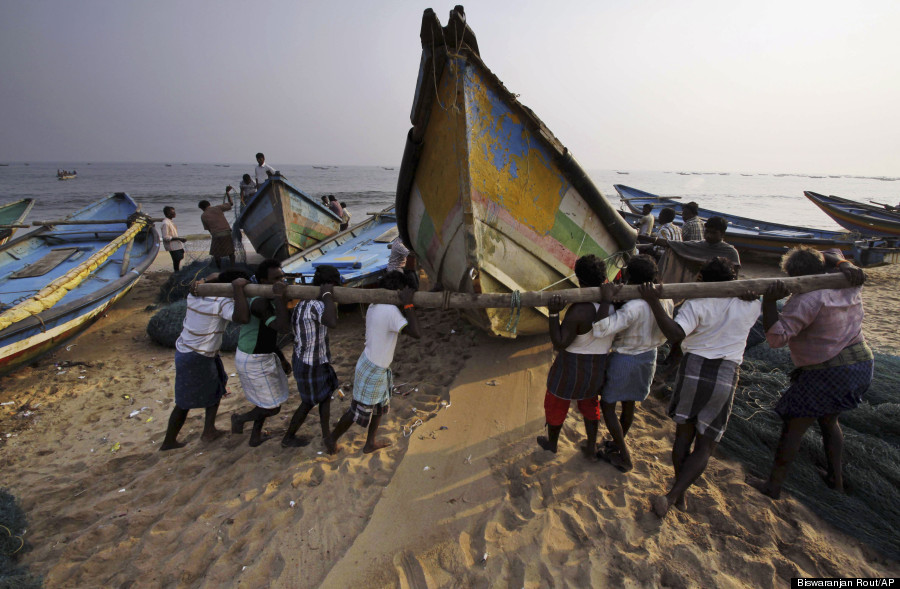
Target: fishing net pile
(870, 510)
(13, 546)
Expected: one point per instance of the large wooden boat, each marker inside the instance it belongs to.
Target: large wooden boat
(487, 197)
(764, 237)
(360, 253)
(280, 220)
(13, 214)
(856, 216)
(57, 279)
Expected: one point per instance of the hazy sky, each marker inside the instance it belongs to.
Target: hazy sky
(691, 85)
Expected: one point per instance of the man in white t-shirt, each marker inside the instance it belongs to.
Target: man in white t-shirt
(200, 376)
(263, 170)
(171, 242)
(373, 379)
(713, 334)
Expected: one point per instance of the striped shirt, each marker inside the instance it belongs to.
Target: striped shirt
(310, 335)
(670, 232)
(692, 230)
(204, 325)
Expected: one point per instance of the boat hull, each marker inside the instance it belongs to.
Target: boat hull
(360, 252)
(487, 198)
(13, 214)
(25, 340)
(281, 221)
(857, 217)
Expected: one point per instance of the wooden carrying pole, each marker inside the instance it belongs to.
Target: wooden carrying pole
(690, 290)
(14, 226)
(86, 222)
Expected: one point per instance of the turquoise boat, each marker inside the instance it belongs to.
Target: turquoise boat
(487, 197)
(280, 220)
(360, 253)
(13, 214)
(58, 279)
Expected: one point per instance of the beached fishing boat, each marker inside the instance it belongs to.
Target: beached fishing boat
(281, 221)
(57, 279)
(360, 253)
(12, 214)
(856, 216)
(764, 237)
(487, 197)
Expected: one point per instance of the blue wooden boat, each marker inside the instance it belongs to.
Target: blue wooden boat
(12, 214)
(57, 279)
(360, 252)
(753, 235)
(280, 220)
(488, 198)
(856, 216)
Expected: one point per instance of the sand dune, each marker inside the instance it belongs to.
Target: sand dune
(221, 514)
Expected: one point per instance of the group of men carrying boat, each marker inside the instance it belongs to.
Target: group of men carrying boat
(607, 356)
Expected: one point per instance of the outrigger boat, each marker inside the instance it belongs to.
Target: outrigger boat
(57, 279)
(856, 216)
(763, 237)
(487, 197)
(280, 220)
(360, 253)
(11, 217)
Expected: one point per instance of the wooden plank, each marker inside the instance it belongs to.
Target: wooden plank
(690, 290)
(47, 263)
(87, 222)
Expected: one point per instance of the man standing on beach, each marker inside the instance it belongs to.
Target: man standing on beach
(373, 379)
(335, 206)
(692, 228)
(259, 361)
(200, 376)
(214, 221)
(683, 260)
(263, 170)
(645, 225)
(171, 242)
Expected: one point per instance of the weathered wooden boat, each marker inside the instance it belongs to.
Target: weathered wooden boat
(487, 197)
(856, 216)
(280, 220)
(360, 253)
(57, 279)
(11, 215)
(764, 237)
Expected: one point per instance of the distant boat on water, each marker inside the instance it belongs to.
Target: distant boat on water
(168, 165)
(487, 197)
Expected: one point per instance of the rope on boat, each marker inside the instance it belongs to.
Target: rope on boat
(515, 312)
(56, 290)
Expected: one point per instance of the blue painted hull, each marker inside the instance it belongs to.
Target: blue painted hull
(360, 253)
(25, 340)
(857, 217)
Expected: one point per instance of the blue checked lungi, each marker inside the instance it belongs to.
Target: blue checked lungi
(575, 377)
(315, 382)
(628, 377)
(704, 392)
(199, 380)
(371, 383)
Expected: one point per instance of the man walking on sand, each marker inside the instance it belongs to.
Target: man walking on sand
(373, 380)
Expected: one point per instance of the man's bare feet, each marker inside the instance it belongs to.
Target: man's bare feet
(375, 446)
(660, 505)
(215, 434)
(764, 487)
(681, 503)
(257, 440)
(173, 446)
(295, 442)
(616, 459)
(545, 443)
(330, 445)
(237, 426)
(589, 453)
(830, 481)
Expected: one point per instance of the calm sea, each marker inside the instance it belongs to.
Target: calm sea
(366, 189)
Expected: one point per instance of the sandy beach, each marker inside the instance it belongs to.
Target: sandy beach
(463, 496)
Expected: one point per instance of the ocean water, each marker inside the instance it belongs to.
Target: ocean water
(365, 189)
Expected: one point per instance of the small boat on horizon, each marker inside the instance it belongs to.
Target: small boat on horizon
(764, 237)
(487, 197)
(97, 261)
(858, 217)
(360, 253)
(12, 214)
(280, 220)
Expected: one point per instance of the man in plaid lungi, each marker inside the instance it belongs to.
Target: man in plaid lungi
(373, 380)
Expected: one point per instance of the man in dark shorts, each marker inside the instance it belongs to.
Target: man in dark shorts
(214, 221)
(316, 379)
(199, 375)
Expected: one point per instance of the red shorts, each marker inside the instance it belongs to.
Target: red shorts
(556, 409)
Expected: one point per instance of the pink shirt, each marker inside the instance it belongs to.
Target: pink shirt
(817, 325)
